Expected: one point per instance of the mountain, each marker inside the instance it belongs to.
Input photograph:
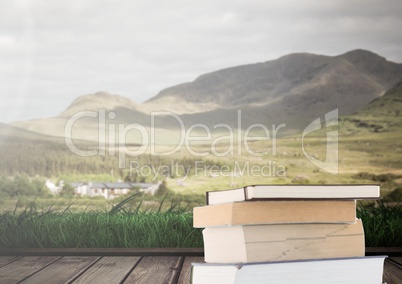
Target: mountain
(92, 108)
(11, 133)
(387, 106)
(97, 101)
(294, 89)
(383, 114)
(306, 81)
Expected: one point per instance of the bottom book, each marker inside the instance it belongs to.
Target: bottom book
(359, 270)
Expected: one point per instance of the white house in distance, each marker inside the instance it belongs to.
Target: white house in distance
(53, 188)
(108, 190)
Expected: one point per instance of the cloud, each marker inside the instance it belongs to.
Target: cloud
(54, 51)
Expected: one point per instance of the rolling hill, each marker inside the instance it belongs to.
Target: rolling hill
(383, 114)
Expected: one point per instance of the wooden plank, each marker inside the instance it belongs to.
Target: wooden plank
(4, 260)
(186, 269)
(108, 270)
(392, 272)
(23, 267)
(62, 270)
(397, 260)
(102, 252)
(156, 269)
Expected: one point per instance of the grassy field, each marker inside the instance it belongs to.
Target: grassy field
(358, 152)
(369, 142)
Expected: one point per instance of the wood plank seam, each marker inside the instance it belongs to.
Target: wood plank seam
(155, 269)
(131, 270)
(395, 262)
(12, 260)
(392, 272)
(50, 263)
(75, 277)
(178, 270)
(186, 269)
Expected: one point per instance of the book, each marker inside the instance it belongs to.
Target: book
(272, 212)
(361, 270)
(281, 242)
(255, 192)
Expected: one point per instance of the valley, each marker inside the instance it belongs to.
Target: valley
(252, 135)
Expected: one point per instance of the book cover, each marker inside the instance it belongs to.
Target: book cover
(272, 212)
(255, 192)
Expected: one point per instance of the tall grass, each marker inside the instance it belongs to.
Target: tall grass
(98, 230)
(382, 224)
(128, 226)
(123, 226)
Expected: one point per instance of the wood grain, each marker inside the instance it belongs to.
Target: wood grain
(397, 260)
(4, 260)
(149, 269)
(392, 272)
(156, 269)
(186, 269)
(62, 270)
(23, 267)
(109, 270)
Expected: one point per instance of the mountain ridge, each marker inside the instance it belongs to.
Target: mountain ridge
(293, 89)
(257, 81)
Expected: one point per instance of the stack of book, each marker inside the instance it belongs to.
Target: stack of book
(288, 233)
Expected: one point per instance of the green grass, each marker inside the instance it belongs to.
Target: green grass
(382, 224)
(128, 224)
(126, 227)
(97, 230)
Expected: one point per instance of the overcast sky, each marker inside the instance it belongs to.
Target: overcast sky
(54, 51)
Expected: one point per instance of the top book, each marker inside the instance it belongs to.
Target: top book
(261, 192)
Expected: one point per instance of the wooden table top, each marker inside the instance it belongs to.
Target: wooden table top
(96, 269)
(172, 266)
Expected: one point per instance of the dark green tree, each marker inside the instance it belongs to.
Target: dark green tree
(67, 190)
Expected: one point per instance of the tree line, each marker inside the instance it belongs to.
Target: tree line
(22, 185)
(54, 159)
